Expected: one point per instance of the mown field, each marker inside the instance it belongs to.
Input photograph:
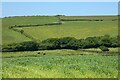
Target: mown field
(77, 29)
(59, 64)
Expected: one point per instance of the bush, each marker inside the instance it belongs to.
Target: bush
(24, 46)
(65, 43)
(104, 48)
(61, 43)
(27, 46)
(68, 43)
(51, 43)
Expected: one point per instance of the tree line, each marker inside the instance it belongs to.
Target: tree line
(102, 42)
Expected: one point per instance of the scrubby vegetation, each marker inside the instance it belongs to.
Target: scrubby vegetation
(65, 43)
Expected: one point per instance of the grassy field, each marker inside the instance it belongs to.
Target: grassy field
(110, 49)
(77, 29)
(59, 64)
(10, 36)
(105, 18)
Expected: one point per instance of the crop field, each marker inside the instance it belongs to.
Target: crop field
(59, 65)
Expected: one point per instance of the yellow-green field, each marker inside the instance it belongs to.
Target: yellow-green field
(77, 29)
(10, 36)
(59, 64)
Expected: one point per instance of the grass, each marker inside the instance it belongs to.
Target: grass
(62, 52)
(56, 66)
(58, 63)
(78, 29)
(10, 36)
(98, 49)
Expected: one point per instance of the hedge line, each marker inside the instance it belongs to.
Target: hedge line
(65, 43)
(81, 20)
(29, 25)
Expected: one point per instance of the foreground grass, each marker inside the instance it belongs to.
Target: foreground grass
(60, 66)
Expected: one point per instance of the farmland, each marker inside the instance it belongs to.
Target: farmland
(10, 36)
(77, 29)
(59, 63)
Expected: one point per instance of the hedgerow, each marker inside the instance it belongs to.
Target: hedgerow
(65, 43)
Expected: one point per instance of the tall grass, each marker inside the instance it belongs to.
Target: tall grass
(69, 66)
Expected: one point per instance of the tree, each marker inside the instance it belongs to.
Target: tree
(106, 41)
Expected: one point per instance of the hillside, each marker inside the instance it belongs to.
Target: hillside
(78, 29)
(10, 36)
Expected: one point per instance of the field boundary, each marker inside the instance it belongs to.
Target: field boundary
(25, 34)
(104, 52)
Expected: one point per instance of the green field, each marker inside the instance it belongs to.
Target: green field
(59, 64)
(10, 36)
(77, 29)
(104, 18)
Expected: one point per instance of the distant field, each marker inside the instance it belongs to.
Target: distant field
(77, 29)
(105, 18)
(58, 66)
(10, 36)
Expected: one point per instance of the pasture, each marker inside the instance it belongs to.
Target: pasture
(10, 36)
(77, 29)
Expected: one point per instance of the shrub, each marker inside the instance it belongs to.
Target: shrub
(104, 48)
(51, 43)
(27, 46)
(24, 46)
(106, 41)
(68, 43)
